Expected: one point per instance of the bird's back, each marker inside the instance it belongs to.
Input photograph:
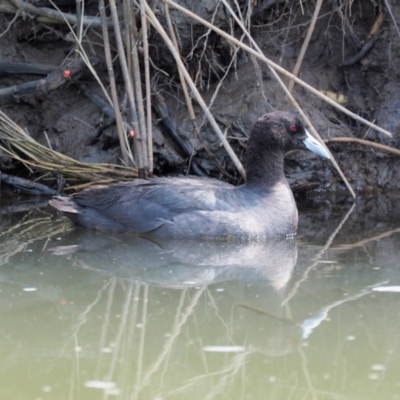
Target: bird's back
(184, 208)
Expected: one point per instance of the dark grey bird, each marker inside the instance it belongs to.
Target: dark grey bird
(193, 207)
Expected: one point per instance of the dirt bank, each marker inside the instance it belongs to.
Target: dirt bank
(239, 87)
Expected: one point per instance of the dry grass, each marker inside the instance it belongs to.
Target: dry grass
(17, 143)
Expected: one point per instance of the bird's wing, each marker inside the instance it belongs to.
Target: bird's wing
(145, 205)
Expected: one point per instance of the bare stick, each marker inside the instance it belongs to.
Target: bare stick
(128, 87)
(138, 89)
(361, 54)
(10, 24)
(306, 42)
(392, 16)
(148, 86)
(79, 22)
(364, 143)
(58, 15)
(320, 253)
(114, 95)
(84, 55)
(154, 21)
(292, 99)
(181, 77)
(363, 242)
(179, 322)
(277, 68)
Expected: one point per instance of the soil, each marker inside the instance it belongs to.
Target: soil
(240, 89)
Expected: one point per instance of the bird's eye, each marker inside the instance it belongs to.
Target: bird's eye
(293, 128)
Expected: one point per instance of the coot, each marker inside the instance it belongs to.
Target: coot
(193, 207)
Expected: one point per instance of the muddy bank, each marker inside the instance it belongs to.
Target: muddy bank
(239, 88)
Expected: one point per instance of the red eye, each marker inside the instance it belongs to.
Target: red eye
(293, 128)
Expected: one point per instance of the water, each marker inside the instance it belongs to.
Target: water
(93, 316)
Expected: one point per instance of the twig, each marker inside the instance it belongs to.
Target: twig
(365, 143)
(392, 16)
(277, 67)
(113, 87)
(83, 53)
(154, 21)
(23, 207)
(253, 59)
(138, 88)
(133, 120)
(377, 25)
(148, 85)
(180, 320)
(170, 125)
(26, 68)
(107, 119)
(10, 24)
(27, 186)
(318, 256)
(365, 49)
(141, 344)
(58, 15)
(189, 105)
(120, 330)
(219, 85)
(80, 14)
(364, 242)
(306, 42)
(66, 73)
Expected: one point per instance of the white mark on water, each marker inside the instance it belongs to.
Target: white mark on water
(106, 350)
(106, 385)
(393, 289)
(223, 349)
(29, 289)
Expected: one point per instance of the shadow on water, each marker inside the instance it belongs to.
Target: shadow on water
(87, 315)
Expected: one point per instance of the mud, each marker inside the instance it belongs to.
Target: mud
(67, 119)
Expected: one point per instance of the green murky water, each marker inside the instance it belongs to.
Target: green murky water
(91, 316)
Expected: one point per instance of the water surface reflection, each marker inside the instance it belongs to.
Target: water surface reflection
(90, 316)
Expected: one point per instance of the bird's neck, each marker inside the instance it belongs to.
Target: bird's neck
(265, 171)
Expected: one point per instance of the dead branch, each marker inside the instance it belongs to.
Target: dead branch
(27, 186)
(361, 54)
(26, 68)
(148, 85)
(364, 143)
(66, 73)
(192, 115)
(57, 15)
(133, 119)
(118, 117)
(137, 84)
(306, 42)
